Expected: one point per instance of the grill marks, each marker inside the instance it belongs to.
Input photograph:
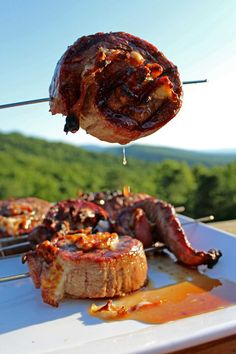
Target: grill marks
(107, 83)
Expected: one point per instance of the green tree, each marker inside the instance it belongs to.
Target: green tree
(174, 182)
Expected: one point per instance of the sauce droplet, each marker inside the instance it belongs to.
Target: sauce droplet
(124, 160)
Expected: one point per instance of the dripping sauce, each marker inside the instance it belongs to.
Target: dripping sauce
(124, 159)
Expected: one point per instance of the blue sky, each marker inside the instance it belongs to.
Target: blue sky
(198, 36)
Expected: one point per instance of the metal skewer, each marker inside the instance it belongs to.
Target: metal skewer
(13, 245)
(158, 246)
(204, 219)
(12, 240)
(194, 82)
(179, 209)
(47, 99)
(24, 103)
(14, 277)
(21, 247)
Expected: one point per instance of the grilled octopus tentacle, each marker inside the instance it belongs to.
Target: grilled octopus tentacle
(170, 232)
(134, 222)
(152, 220)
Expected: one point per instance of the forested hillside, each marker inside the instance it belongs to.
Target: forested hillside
(54, 171)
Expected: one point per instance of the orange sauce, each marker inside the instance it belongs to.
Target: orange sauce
(170, 303)
(192, 293)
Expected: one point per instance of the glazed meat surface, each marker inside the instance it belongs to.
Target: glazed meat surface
(77, 260)
(153, 220)
(116, 86)
(114, 202)
(71, 214)
(20, 215)
(81, 265)
(138, 215)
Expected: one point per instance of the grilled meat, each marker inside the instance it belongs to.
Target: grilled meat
(68, 215)
(21, 215)
(85, 265)
(153, 220)
(118, 202)
(116, 86)
(83, 262)
(137, 215)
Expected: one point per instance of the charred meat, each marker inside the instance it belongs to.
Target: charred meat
(116, 86)
(153, 220)
(21, 215)
(85, 265)
(68, 215)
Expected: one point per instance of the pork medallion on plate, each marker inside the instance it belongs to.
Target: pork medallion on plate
(86, 265)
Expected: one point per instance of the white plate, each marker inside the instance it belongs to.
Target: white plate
(27, 325)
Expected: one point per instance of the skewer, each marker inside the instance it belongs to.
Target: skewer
(194, 82)
(158, 246)
(19, 242)
(3, 257)
(155, 247)
(179, 209)
(14, 277)
(19, 245)
(24, 103)
(15, 248)
(13, 239)
(47, 99)
(24, 245)
(203, 219)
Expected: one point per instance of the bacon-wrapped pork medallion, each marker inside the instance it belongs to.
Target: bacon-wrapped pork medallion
(71, 214)
(152, 220)
(20, 215)
(85, 265)
(116, 86)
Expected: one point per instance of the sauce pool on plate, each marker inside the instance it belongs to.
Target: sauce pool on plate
(170, 303)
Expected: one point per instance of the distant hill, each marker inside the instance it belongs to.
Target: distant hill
(160, 153)
(145, 153)
(56, 171)
(53, 170)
